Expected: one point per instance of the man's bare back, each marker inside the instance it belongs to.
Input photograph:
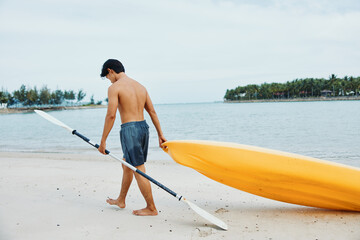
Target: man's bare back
(132, 99)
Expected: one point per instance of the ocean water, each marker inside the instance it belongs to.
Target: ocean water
(325, 130)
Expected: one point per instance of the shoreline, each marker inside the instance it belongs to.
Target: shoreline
(48, 108)
(307, 99)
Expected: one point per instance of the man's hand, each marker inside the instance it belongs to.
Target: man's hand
(162, 139)
(102, 148)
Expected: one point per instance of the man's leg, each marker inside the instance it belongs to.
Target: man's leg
(125, 185)
(145, 189)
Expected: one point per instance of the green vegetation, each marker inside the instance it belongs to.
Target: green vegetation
(298, 88)
(26, 96)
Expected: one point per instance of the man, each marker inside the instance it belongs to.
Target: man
(131, 98)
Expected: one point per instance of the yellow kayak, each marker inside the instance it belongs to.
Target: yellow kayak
(272, 174)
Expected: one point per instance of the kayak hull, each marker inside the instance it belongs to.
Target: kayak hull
(276, 175)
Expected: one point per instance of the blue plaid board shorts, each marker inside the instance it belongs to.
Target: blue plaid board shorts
(134, 138)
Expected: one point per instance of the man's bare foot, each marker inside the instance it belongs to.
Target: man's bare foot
(120, 204)
(145, 212)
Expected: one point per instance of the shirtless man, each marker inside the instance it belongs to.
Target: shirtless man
(131, 98)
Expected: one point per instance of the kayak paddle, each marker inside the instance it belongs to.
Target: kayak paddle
(194, 207)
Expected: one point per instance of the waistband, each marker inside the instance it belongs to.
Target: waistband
(135, 123)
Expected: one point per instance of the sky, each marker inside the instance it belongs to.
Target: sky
(181, 51)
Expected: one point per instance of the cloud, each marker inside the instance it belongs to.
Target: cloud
(212, 44)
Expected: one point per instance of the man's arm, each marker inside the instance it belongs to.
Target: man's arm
(110, 117)
(149, 107)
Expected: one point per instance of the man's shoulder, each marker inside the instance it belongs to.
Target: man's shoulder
(137, 84)
(114, 88)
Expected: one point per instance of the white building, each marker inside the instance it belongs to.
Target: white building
(3, 105)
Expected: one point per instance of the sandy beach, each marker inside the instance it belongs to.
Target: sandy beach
(62, 196)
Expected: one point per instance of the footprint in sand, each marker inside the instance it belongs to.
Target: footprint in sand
(202, 232)
(221, 210)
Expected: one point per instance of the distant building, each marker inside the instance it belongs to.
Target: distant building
(326, 93)
(3, 105)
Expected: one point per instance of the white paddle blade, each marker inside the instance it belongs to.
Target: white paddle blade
(206, 215)
(53, 120)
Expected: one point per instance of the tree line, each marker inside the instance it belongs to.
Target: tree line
(298, 88)
(27, 96)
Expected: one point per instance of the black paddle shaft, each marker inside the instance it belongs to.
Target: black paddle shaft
(74, 132)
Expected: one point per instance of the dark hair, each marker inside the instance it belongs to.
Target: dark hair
(113, 64)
